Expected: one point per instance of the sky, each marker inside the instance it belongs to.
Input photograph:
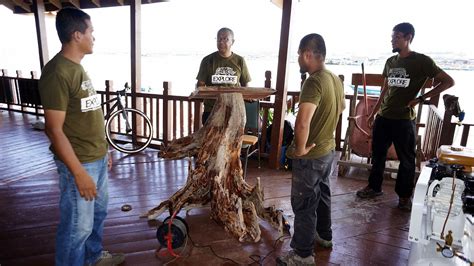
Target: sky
(351, 28)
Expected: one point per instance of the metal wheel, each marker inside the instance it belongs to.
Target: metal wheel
(119, 127)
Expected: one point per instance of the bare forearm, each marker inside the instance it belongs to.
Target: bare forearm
(301, 136)
(442, 82)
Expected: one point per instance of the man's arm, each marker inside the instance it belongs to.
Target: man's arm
(303, 121)
(383, 91)
(443, 82)
(54, 121)
(200, 84)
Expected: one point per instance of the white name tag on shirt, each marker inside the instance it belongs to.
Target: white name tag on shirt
(90, 103)
(224, 79)
(399, 82)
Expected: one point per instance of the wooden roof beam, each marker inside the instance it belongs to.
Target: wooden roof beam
(278, 3)
(121, 2)
(8, 4)
(96, 2)
(56, 3)
(22, 5)
(75, 3)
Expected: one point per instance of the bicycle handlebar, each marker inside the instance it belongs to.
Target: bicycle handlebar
(123, 91)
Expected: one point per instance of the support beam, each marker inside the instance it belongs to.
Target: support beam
(136, 51)
(75, 3)
(278, 3)
(22, 5)
(8, 4)
(281, 86)
(38, 10)
(56, 3)
(120, 2)
(96, 2)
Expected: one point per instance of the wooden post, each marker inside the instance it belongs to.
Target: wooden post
(136, 52)
(38, 10)
(109, 84)
(465, 135)
(447, 130)
(339, 122)
(281, 86)
(8, 88)
(197, 115)
(166, 113)
(268, 82)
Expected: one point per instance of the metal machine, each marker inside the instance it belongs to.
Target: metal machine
(442, 221)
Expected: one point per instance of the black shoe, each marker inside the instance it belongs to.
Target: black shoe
(405, 204)
(368, 192)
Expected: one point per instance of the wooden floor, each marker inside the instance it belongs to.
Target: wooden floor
(366, 232)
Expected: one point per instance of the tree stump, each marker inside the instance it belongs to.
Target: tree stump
(217, 175)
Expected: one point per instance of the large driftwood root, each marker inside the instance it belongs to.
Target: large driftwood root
(217, 175)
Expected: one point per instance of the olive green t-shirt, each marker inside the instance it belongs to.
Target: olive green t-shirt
(405, 77)
(324, 89)
(65, 86)
(216, 70)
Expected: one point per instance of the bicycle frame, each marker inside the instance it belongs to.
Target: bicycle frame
(118, 104)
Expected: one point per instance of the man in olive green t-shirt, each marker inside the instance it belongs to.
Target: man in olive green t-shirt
(222, 68)
(74, 124)
(405, 75)
(312, 152)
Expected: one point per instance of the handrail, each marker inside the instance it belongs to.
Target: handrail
(176, 116)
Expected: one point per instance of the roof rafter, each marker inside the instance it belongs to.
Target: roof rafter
(96, 2)
(22, 4)
(75, 3)
(56, 3)
(7, 4)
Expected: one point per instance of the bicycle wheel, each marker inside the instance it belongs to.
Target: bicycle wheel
(119, 129)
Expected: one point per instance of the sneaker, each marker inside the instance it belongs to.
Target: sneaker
(368, 192)
(109, 259)
(323, 243)
(292, 259)
(404, 204)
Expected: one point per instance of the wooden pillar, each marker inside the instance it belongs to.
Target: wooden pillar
(447, 130)
(38, 10)
(281, 86)
(135, 46)
(136, 55)
(167, 113)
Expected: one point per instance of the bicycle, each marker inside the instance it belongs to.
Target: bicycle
(119, 131)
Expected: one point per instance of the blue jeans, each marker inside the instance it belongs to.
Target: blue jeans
(311, 202)
(80, 230)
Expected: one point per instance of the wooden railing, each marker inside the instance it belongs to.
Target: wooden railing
(175, 116)
(438, 132)
(172, 116)
(20, 94)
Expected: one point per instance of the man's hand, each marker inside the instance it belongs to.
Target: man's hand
(414, 102)
(303, 151)
(370, 121)
(86, 186)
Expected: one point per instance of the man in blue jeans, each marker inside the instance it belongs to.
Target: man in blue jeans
(74, 123)
(312, 151)
(405, 74)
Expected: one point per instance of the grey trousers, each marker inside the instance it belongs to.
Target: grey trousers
(311, 202)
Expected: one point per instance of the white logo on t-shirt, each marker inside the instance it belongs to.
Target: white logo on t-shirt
(224, 75)
(398, 77)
